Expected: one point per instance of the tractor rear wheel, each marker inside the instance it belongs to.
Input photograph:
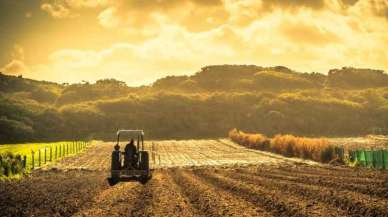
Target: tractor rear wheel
(115, 166)
(144, 165)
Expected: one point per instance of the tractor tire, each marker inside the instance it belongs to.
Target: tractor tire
(145, 166)
(115, 166)
(144, 161)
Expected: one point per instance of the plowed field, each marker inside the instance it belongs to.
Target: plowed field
(198, 178)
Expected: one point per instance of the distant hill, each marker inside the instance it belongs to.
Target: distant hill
(250, 77)
(346, 101)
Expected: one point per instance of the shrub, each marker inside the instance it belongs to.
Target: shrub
(254, 141)
(10, 164)
(287, 145)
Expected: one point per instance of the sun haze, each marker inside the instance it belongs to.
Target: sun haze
(140, 41)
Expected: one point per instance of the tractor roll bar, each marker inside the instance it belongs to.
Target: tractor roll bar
(138, 133)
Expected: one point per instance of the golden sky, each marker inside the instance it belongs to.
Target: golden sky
(138, 41)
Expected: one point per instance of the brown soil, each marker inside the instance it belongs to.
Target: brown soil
(78, 186)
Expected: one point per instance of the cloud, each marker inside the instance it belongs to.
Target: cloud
(160, 37)
(367, 8)
(17, 52)
(86, 3)
(148, 17)
(70, 8)
(16, 66)
(137, 64)
(379, 7)
(349, 2)
(303, 32)
(304, 42)
(58, 10)
(295, 4)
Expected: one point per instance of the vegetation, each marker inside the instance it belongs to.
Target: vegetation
(17, 159)
(272, 100)
(287, 145)
(25, 149)
(10, 165)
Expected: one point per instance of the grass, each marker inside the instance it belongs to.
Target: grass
(27, 148)
(317, 149)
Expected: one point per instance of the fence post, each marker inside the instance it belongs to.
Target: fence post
(32, 159)
(39, 158)
(67, 149)
(152, 152)
(56, 152)
(24, 161)
(51, 154)
(45, 151)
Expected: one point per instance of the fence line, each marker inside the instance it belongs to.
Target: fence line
(61, 150)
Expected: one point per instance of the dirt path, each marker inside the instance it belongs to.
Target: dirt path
(217, 180)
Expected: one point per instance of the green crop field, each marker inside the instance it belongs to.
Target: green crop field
(25, 149)
(48, 151)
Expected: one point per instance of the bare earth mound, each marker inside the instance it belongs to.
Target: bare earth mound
(198, 178)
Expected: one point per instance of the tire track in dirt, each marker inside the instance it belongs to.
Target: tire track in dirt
(271, 201)
(211, 201)
(155, 198)
(311, 206)
(369, 188)
(143, 203)
(378, 177)
(168, 200)
(348, 173)
(114, 201)
(353, 203)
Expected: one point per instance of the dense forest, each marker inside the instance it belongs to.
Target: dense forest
(270, 100)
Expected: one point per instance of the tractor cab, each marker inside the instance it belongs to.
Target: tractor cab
(131, 161)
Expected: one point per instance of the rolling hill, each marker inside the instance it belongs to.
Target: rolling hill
(345, 102)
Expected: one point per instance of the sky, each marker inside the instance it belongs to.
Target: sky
(139, 41)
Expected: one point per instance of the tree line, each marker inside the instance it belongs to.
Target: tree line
(271, 100)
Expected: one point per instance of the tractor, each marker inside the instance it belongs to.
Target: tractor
(130, 164)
